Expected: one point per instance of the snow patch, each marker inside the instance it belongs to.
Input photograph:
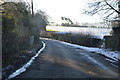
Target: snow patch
(110, 60)
(23, 69)
(61, 32)
(111, 54)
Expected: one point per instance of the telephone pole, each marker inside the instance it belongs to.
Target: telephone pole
(32, 8)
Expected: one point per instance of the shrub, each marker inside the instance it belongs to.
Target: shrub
(80, 39)
(7, 25)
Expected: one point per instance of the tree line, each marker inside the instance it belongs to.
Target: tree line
(17, 27)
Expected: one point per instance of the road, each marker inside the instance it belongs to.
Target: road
(62, 61)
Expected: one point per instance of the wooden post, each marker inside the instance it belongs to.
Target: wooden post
(32, 35)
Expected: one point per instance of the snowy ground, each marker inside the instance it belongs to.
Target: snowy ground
(96, 32)
(110, 54)
(113, 55)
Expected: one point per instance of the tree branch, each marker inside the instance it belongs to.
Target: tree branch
(112, 7)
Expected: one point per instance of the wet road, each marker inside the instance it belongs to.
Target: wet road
(61, 61)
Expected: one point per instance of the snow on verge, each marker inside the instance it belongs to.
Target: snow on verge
(23, 69)
(111, 54)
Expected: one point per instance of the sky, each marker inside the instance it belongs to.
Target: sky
(72, 9)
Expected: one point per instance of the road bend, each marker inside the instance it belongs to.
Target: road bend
(62, 61)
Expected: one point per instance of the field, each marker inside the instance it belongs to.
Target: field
(95, 32)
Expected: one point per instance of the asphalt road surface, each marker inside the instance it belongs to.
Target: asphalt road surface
(62, 61)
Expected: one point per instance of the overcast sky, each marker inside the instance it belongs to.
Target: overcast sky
(72, 9)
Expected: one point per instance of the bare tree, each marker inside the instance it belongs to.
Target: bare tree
(109, 9)
(67, 19)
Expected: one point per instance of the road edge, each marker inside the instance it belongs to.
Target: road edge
(23, 69)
